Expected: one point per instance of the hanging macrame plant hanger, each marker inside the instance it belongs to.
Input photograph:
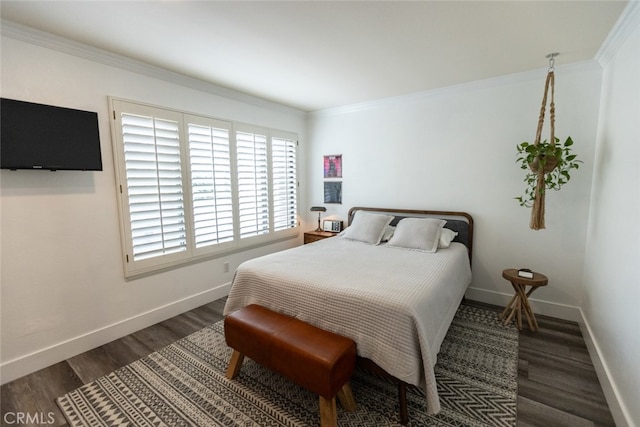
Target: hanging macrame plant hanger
(548, 164)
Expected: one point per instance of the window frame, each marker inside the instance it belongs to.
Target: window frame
(139, 267)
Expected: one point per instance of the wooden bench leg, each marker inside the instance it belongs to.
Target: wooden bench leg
(328, 414)
(345, 396)
(235, 364)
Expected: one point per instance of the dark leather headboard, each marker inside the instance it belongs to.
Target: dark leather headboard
(461, 222)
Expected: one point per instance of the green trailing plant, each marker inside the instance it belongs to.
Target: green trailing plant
(555, 159)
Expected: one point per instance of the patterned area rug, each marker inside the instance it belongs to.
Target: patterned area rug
(184, 384)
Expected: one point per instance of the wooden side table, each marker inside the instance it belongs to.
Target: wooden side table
(520, 301)
(314, 236)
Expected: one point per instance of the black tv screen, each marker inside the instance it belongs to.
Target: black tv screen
(37, 136)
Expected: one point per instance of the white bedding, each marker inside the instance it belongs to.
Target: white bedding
(396, 304)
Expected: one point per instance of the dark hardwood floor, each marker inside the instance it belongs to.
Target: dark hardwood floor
(557, 385)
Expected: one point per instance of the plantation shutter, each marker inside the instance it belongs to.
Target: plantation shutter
(211, 185)
(285, 182)
(253, 183)
(192, 187)
(154, 185)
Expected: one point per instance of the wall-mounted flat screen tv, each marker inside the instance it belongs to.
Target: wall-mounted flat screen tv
(37, 136)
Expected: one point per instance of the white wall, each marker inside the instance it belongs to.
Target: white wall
(63, 289)
(611, 283)
(455, 149)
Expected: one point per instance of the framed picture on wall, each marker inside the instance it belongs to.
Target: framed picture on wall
(333, 166)
(333, 192)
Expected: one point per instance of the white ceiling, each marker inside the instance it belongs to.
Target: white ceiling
(313, 55)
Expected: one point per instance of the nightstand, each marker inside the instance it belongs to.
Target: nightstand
(520, 301)
(314, 236)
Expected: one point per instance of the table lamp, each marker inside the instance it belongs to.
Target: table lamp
(318, 209)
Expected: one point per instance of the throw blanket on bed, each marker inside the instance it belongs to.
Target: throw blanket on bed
(397, 304)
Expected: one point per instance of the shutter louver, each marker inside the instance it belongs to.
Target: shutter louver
(285, 183)
(253, 184)
(210, 161)
(154, 185)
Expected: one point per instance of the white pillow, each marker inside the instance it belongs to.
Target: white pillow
(446, 237)
(418, 233)
(367, 227)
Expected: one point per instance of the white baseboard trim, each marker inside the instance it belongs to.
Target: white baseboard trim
(546, 308)
(617, 407)
(51, 355)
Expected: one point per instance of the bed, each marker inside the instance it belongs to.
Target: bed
(392, 281)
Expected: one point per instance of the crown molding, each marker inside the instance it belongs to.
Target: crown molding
(628, 21)
(81, 50)
(462, 88)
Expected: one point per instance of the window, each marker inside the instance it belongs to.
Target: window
(211, 181)
(253, 183)
(285, 182)
(193, 186)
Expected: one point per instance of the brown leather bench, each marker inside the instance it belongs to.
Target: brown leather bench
(318, 360)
